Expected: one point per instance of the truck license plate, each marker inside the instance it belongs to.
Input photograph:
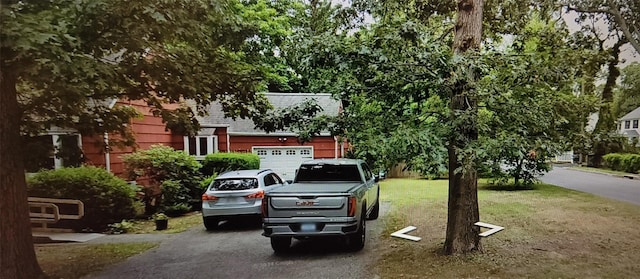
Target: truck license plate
(307, 227)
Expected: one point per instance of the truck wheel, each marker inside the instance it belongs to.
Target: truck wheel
(280, 244)
(211, 223)
(356, 240)
(375, 212)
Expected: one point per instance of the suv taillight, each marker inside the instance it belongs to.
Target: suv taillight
(351, 212)
(206, 197)
(257, 195)
(264, 207)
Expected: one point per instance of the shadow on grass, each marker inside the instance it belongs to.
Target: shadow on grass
(507, 187)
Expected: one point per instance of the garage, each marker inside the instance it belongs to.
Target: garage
(283, 160)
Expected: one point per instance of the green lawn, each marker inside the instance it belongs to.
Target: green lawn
(549, 232)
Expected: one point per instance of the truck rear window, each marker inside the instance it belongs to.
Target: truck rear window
(328, 173)
(234, 184)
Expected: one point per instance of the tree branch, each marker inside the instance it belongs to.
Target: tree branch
(622, 24)
(613, 11)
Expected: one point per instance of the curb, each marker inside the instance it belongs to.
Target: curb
(629, 176)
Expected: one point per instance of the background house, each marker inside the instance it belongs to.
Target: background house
(66, 147)
(628, 125)
(280, 150)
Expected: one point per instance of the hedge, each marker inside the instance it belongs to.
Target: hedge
(221, 162)
(625, 162)
(107, 199)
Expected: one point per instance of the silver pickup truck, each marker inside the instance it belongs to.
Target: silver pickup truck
(326, 198)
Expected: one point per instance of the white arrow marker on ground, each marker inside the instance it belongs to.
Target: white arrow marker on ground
(493, 228)
(402, 234)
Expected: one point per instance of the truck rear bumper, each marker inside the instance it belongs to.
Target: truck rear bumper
(311, 229)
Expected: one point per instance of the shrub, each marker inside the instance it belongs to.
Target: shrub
(613, 161)
(122, 227)
(622, 162)
(167, 168)
(175, 198)
(221, 162)
(107, 199)
(207, 181)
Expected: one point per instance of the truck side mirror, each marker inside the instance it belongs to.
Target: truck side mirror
(376, 178)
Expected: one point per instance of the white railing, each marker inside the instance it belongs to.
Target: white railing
(46, 211)
(566, 157)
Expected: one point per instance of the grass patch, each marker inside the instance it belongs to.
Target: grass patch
(72, 261)
(550, 232)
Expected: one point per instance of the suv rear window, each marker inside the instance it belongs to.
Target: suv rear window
(326, 172)
(232, 184)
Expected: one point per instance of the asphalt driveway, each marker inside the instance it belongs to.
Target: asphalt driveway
(238, 250)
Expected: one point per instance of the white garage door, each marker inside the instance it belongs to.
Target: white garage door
(283, 160)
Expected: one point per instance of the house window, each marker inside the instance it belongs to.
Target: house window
(291, 152)
(261, 153)
(276, 152)
(635, 124)
(49, 152)
(200, 146)
(627, 124)
(305, 152)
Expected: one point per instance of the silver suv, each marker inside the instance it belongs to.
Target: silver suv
(237, 193)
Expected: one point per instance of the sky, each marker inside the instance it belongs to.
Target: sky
(627, 56)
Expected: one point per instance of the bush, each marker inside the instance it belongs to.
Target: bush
(107, 199)
(221, 162)
(622, 162)
(174, 177)
(207, 181)
(175, 198)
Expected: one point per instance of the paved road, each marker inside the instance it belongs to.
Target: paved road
(238, 250)
(618, 188)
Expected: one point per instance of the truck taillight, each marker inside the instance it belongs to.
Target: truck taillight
(264, 207)
(206, 197)
(351, 212)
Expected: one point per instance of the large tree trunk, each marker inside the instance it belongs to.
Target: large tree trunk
(606, 124)
(17, 256)
(462, 235)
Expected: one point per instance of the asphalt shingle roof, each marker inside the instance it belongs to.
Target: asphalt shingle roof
(635, 114)
(329, 105)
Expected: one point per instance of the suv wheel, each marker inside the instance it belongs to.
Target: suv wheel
(211, 223)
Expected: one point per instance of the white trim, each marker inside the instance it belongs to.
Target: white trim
(272, 134)
(57, 162)
(228, 142)
(262, 134)
(283, 147)
(214, 125)
(212, 146)
(107, 154)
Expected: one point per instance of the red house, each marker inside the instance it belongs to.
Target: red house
(280, 150)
